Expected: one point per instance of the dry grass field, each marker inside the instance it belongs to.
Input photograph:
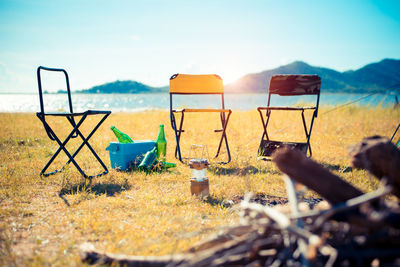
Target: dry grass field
(43, 220)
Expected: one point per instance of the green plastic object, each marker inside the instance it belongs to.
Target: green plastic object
(122, 137)
(161, 144)
(167, 165)
(148, 159)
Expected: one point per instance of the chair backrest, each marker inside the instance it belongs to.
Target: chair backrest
(195, 84)
(41, 91)
(295, 85)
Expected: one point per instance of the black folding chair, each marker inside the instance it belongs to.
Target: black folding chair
(70, 116)
(186, 84)
(289, 85)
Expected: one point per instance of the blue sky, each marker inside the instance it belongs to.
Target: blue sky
(148, 41)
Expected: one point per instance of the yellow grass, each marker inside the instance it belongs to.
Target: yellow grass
(44, 219)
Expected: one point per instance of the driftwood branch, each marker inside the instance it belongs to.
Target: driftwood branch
(380, 157)
(92, 256)
(313, 175)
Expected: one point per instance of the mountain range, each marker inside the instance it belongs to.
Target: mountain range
(376, 77)
(379, 77)
(124, 87)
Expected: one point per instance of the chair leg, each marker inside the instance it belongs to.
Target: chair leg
(178, 144)
(264, 123)
(85, 141)
(62, 147)
(178, 133)
(308, 134)
(265, 126)
(74, 132)
(223, 136)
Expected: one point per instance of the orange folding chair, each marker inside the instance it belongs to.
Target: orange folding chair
(185, 84)
(289, 85)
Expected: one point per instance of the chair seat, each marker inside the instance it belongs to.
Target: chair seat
(201, 110)
(267, 147)
(285, 108)
(87, 112)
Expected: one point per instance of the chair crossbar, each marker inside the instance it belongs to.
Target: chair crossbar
(77, 114)
(202, 110)
(286, 108)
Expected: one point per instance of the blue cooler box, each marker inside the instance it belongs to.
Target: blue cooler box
(123, 156)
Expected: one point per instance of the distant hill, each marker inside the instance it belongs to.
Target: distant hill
(376, 77)
(124, 87)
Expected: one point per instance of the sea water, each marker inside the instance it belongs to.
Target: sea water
(141, 102)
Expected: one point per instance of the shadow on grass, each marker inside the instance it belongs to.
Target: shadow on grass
(98, 189)
(263, 199)
(214, 201)
(260, 198)
(336, 167)
(220, 170)
(156, 168)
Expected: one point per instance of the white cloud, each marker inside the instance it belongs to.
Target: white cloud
(13, 81)
(134, 37)
(191, 68)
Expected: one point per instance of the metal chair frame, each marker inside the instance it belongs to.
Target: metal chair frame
(394, 134)
(178, 131)
(267, 146)
(70, 116)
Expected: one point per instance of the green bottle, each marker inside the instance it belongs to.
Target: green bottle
(166, 165)
(161, 144)
(148, 160)
(122, 138)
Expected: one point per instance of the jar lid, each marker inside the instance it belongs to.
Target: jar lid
(198, 164)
